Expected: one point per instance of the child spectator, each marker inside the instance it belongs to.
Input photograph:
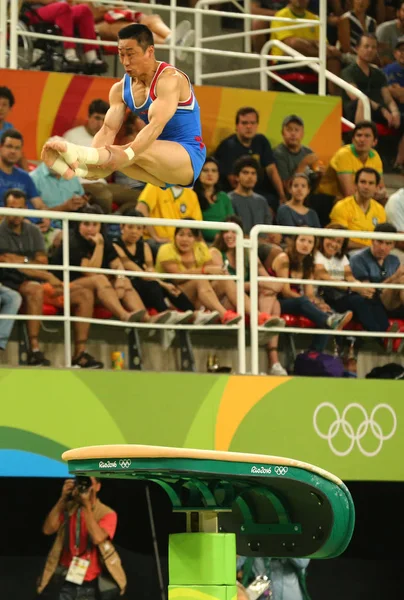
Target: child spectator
(360, 212)
(224, 254)
(136, 255)
(7, 102)
(298, 262)
(294, 213)
(215, 204)
(89, 247)
(251, 207)
(331, 263)
(352, 25)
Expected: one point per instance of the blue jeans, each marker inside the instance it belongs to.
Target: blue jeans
(10, 302)
(303, 307)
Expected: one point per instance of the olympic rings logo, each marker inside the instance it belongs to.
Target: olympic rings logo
(281, 470)
(355, 436)
(125, 463)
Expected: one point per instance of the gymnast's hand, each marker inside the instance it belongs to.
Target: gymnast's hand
(118, 159)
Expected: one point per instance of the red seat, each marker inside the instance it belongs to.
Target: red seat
(291, 320)
(299, 77)
(101, 313)
(49, 310)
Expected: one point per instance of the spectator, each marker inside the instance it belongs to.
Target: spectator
(251, 207)
(298, 262)
(136, 255)
(339, 177)
(305, 39)
(395, 76)
(331, 263)
(294, 213)
(187, 255)
(376, 264)
(172, 203)
(22, 243)
(246, 141)
(10, 302)
(371, 80)
(102, 193)
(89, 247)
(83, 527)
(7, 102)
(263, 8)
(286, 577)
(388, 34)
(70, 18)
(360, 212)
(110, 20)
(395, 210)
(224, 254)
(215, 204)
(352, 25)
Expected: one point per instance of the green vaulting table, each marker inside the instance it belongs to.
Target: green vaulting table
(251, 504)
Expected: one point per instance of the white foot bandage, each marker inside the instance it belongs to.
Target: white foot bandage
(81, 154)
(59, 166)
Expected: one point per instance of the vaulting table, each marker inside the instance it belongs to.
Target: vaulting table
(251, 504)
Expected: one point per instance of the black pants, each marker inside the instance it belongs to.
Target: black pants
(153, 296)
(370, 313)
(71, 591)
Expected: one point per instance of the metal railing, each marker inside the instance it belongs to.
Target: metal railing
(255, 279)
(290, 57)
(67, 318)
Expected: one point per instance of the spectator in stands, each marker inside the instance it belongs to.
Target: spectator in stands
(266, 8)
(7, 102)
(102, 193)
(376, 264)
(305, 39)
(371, 80)
(298, 262)
(251, 207)
(22, 243)
(136, 255)
(172, 203)
(352, 25)
(10, 302)
(339, 178)
(109, 20)
(70, 18)
(360, 212)
(294, 213)
(89, 247)
(388, 34)
(223, 253)
(186, 254)
(331, 263)
(246, 141)
(395, 210)
(215, 204)
(395, 76)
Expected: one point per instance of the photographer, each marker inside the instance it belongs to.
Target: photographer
(79, 564)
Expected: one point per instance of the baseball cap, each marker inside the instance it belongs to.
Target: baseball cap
(400, 42)
(295, 118)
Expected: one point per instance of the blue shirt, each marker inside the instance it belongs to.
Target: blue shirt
(365, 267)
(18, 179)
(6, 125)
(395, 74)
(54, 190)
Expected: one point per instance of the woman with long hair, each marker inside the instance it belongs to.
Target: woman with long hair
(331, 263)
(294, 213)
(223, 254)
(300, 300)
(189, 255)
(351, 26)
(215, 204)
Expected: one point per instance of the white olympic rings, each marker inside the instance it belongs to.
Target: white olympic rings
(361, 431)
(281, 470)
(125, 463)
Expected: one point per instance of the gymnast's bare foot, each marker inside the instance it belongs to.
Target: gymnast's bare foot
(49, 156)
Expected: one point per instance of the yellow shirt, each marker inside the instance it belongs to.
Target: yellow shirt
(348, 213)
(346, 160)
(163, 204)
(169, 253)
(307, 32)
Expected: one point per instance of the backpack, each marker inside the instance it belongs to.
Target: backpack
(389, 371)
(318, 364)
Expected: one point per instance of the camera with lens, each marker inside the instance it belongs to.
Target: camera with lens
(81, 484)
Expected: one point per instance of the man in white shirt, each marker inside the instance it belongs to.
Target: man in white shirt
(395, 215)
(102, 193)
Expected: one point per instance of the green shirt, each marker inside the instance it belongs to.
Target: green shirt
(218, 211)
(371, 84)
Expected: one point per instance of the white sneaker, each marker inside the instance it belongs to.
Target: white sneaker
(180, 318)
(188, 41)
(277, 369)
(204, 318)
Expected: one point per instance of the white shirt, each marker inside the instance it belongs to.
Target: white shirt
(395, 209)
(334, 266)
(80, 136)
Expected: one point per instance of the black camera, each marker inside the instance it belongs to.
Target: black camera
(82, 484)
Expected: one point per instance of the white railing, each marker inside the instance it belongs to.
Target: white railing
(255, 279)
(67, 318)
